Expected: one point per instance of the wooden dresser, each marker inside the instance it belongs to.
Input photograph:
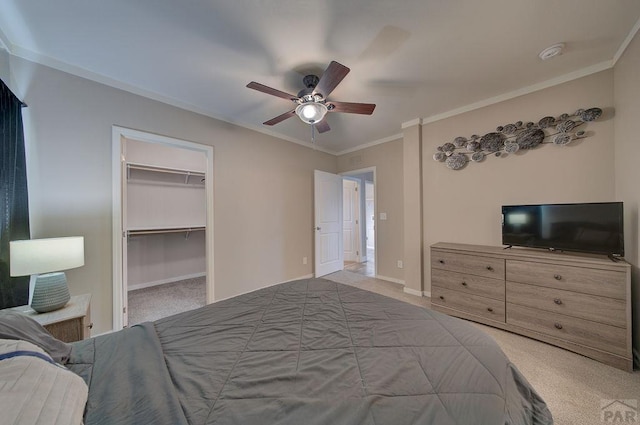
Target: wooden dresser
(578, 302)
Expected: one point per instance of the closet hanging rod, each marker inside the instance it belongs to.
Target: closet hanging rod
(160, 231)
(164, 169)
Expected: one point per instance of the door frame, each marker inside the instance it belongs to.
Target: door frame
(118, 237)
(363, 242)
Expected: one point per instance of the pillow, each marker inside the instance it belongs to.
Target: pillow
(15, 325)
(35, 390)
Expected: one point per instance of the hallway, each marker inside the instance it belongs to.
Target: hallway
(367, 268)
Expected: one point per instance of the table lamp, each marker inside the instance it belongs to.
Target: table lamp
(36, 256)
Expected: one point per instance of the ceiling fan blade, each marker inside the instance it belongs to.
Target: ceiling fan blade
(322, 126)
(280, 118)
(271, 91)
(352, 108)
(332, 76)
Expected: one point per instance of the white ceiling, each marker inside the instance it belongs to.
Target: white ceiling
(413, 58)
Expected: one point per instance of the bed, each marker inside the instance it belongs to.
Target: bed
(305, 352)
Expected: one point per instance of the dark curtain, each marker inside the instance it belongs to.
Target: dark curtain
(14, 204)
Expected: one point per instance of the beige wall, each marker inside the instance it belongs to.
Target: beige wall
(464, 205)
(627, 154)
(263, 185)
(387, 158)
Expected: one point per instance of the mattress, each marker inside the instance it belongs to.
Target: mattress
(305, 352)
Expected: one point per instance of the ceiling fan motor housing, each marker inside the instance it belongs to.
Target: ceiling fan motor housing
(310, 81)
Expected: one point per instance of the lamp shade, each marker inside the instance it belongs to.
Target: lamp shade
(36, 256)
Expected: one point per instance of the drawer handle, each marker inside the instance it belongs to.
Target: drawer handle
(464, 283)
(557, 277)
(441, 297)
(489, 309)
(557, 301)
(490, 268)
(558, 325)
(441, 261)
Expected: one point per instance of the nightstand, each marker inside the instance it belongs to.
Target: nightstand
(70, 323)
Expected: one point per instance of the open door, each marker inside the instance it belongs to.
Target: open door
(329, 254)
(351, 220)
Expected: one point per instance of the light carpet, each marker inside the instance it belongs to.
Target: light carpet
(156, 302)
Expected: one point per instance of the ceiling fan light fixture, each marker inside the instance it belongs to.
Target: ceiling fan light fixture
(311, 112)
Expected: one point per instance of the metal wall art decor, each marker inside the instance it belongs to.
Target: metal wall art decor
(510, 138)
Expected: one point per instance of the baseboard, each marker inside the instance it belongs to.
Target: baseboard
(306, 276)
(390, 279)
(415, 292)
(163, 281)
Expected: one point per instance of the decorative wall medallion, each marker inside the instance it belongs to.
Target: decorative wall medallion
(530, 138)
(456, 161)
(492, 142)
(590, 114)
(562, 139)
(477, 156)
(546, 122)
(511, 147)
(565, 126)
(512, 137)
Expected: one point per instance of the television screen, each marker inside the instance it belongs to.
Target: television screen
(591, 227)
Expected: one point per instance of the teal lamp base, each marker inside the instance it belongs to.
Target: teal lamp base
(50, 292)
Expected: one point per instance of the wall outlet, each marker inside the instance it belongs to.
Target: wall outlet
(400, 264)
(383, 216)
(304, 260)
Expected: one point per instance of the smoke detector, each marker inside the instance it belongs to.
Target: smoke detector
(551, 51)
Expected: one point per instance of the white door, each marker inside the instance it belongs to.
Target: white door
(329, 254)
(370, 214)
(350, 214)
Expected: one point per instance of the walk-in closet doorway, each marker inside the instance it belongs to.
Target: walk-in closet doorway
(162, 226)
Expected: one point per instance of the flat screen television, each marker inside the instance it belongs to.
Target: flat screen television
(588, 227)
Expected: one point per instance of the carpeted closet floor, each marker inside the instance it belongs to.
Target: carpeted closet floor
(153, 303)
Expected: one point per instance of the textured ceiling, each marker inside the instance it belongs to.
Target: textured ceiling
(413, 58)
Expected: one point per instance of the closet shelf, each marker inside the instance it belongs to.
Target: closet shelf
(160, 230)
(168, 170)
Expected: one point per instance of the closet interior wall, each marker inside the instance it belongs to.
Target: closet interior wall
(164, 214)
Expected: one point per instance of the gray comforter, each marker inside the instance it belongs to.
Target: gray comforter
(305, 352)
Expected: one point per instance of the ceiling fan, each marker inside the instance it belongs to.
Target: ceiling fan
(312, 100)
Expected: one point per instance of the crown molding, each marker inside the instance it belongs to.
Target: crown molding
(370, 144)
(50, 62)
(626, 42)
(417, 121)
(602, 66)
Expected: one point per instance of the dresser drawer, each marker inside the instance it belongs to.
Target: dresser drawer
(600, 282)
(598, 309)
(475, 285)
(584, 332)
(470, 264)
(468, 303)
